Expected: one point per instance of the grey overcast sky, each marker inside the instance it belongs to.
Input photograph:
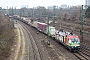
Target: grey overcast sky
(34, 3)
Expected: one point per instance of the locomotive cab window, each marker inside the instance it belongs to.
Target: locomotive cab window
(74, 40)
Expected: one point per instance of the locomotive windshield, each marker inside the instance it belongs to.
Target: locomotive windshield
(74, 40)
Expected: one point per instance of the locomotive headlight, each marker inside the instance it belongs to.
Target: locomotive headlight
(69, 41)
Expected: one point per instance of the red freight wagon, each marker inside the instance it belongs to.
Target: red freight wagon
(41, 27)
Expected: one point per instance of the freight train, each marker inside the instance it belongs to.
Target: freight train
(69, 40)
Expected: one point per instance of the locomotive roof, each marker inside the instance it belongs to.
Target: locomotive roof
(72, 36)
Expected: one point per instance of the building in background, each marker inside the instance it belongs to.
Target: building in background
(24, 6)
(64, 6)
(52, 7)
(88, 2)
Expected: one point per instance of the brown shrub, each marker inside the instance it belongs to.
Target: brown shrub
(6, 37)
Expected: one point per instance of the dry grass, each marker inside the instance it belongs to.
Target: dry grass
(6, 37)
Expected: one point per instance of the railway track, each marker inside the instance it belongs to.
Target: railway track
(39, 54)
(36, 41)
(54, 54)
(33, 50)
(84, 47)
(85, 50)
(58, 55)
(81, 56)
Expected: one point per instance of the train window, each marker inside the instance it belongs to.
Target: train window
(76, 39)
